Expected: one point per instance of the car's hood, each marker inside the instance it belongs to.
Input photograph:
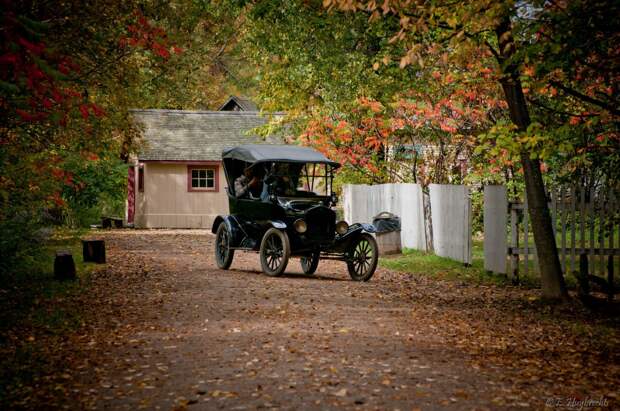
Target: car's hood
(299, 203)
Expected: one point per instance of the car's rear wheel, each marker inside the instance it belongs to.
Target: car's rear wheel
(275, 250)
(362, 258)
(310, 263)
(223, 254)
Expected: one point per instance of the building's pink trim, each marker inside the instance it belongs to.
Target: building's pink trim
(215, 167)
(188, 162)
(131, 194)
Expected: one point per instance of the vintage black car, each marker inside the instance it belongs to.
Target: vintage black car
(281, 201)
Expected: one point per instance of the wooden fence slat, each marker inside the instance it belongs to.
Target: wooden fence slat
(582, 208)
(564, 210)
(572, 229)
(526, 216)
(514, 242)
(554, 211)
(601, 232)
(591, 220)
(612, 214)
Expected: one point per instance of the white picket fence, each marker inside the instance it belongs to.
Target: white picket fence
(585, 223)
(363, 202)
(451, 216)
(450, 207)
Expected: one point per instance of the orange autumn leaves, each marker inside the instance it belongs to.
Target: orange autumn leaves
(364, 138)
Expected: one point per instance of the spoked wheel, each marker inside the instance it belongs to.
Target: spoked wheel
(275, 250)
(363, 256)
(310, 263)
(223, 254)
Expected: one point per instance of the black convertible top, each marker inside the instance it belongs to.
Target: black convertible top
(258, 153)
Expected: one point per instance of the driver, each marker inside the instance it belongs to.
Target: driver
(248, 184)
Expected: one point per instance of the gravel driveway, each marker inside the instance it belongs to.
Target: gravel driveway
(168, 330)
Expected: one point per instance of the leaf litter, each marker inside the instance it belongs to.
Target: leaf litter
(161, 326)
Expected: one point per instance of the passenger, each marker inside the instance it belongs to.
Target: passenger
(284, 183)
(285, 186)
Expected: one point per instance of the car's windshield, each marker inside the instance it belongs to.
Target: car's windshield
(300, 180)
(284, 179)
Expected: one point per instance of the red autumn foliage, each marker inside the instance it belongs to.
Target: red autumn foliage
(84, 111)
(143, 34)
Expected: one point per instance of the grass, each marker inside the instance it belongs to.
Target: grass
(32, 306)
(419, 262)
(34, 282)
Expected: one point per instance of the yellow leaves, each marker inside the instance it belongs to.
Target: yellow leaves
(397, 37)
(413, 56)
(461, 394)
(405, 61)
(223, 394)
(341, 393)
(528, 71)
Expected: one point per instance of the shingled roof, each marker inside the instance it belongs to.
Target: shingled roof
(238, 103)
(181, 135)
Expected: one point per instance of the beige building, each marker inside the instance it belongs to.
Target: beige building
(177, 180)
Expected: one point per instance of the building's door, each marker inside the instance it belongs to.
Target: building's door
(131, 194)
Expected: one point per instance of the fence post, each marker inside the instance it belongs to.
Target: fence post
(514, 242)
(610, 277)
(584, 282)
(494, 216)
(428, 222)
(451, 214)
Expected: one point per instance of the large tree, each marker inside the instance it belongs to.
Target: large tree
(69, 73)
(566, 49)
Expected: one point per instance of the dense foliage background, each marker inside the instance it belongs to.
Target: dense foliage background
(396, 92)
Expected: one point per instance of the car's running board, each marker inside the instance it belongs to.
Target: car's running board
(340, 257)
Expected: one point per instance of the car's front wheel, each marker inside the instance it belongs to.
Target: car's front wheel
(275, 250)
(223, 254)
(310, 263)
(362, 257)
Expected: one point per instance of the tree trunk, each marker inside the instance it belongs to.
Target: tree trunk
(552, 280)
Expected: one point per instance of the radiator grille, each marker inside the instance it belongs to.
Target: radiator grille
(321, 222)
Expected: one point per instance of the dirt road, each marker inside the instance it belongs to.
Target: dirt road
(169, 330)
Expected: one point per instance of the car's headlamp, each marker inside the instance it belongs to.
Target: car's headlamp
(342, 227)
(300, 226)
(334, 199)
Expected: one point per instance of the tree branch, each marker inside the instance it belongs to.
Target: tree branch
(586, 98)
(556, 111)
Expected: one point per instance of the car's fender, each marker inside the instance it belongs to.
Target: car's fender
(341, 242)
(279, 224)
(233, 227)
(218, 220)
(367, 228)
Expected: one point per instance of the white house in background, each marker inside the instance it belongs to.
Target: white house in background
(176, 180)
